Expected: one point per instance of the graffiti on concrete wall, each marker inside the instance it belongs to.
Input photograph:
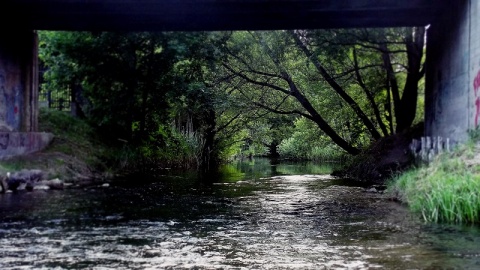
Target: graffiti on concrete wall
(476, 90)
(13, 108)
(4, 140)
(10, 104)
(20, 143)
(3, 104)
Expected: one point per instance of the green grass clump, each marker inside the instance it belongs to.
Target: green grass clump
(73, 136)
(447, 190)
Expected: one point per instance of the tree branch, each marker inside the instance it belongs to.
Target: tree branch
(369, 95)
(336, 87)
(248, 79)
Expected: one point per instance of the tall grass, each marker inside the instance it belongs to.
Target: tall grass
(182, 148)
(447, 190)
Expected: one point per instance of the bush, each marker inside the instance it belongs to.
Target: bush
(297, 148)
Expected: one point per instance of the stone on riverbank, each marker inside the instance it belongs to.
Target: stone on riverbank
(29, 180)
(21, 179)
(53, 184)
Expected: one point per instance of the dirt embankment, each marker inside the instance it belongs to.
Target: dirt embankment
(384, 158)
(48, 170)
(54, 165)
(75, 155)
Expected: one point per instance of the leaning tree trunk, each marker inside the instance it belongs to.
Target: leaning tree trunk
(322, 124)
(312, 112)
(336, 87)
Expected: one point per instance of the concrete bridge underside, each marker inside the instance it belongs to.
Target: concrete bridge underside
(453, 50)
(193, 15)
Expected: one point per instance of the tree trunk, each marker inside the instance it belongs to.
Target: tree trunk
(369, 95)
(318, 119)
(408, 104)
(388, 107)
(209, 159)
(272, 149)
(405, 107)
(335, 86)
(77, 101)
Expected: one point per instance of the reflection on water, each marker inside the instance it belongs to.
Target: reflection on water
(256, 215)
(262, 167)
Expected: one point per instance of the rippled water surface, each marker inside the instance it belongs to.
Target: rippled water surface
(254, 216)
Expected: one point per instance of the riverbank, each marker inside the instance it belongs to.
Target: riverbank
(81, 155)
(385, 158)
(76, 155)
(446, 190)
(443, 191)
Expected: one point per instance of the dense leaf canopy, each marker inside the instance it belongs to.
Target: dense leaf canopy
(201, 97)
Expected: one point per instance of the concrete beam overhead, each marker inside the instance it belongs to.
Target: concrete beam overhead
(194, 15)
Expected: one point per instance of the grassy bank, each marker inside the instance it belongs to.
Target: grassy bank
(446, 190)
(74, 154)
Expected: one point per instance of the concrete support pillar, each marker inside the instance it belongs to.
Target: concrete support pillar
(19, 94)
(30, 122)
(452, 98)
(18, 81)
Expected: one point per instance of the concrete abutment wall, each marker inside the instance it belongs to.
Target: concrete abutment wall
(452, 99)
(19, 94)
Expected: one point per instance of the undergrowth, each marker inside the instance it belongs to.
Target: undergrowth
(79, 151)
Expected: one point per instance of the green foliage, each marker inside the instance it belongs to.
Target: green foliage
(444, 191)
(334, 78)
(133, 86)
(307, 143)
(191, 99)
(12, 166)
(474, 135)
(265, 133)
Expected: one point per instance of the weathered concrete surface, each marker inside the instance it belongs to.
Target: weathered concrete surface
(19, 94)
(18, 81)
(453, 63)
(23, 143)
(188, 15)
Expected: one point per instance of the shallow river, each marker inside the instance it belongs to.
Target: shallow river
(254, 216)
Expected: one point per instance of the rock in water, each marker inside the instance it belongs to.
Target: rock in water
(41, 187)
(24, 177)
(3, 183)
(53, 183)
